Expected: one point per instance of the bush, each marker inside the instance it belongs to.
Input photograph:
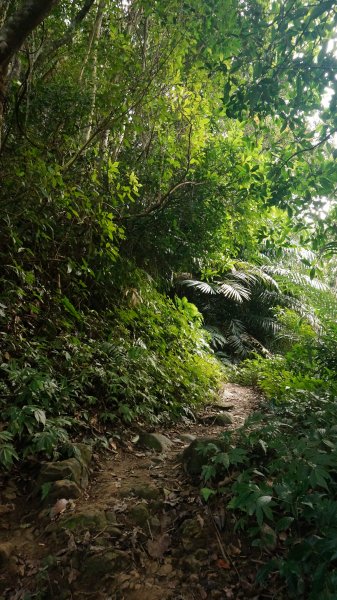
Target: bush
(147, 359)
(284, 493)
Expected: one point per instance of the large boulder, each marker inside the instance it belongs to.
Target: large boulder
(154, 441)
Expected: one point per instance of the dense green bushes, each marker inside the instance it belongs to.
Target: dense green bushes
(284, 491)
(147, 358)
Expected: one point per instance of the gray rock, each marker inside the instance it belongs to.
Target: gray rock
(146, 492)
(221, 406)
(193, 536)
(155, 441)
(219, 419)
(84, 452)
(187, 437)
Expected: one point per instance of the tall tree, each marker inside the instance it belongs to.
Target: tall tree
(14, 32)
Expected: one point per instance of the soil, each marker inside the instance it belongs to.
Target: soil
(140, 531)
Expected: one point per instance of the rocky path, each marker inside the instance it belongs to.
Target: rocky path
(140, 531)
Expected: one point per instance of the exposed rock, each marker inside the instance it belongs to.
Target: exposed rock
(6, 550)
(155, 441)
(75, 469)
(63, 488)
(147, 492)
(187, 437)
(139, 515)
(90, 519)
(197, 454)
(221, 406)
(84, 452)
(107, 563)
(218, 419)
(193, 536)
(72, 469)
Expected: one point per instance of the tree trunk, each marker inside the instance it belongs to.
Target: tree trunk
(14, 32)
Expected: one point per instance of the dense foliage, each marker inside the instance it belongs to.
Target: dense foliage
(282, 465)
(167, 207)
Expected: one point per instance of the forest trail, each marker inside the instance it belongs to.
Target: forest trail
(140, 531)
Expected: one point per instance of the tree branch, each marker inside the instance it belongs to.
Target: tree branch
(161, 203)
(69, 34)
(309, 148)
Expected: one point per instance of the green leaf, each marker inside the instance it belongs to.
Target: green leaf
(70, 308)
(206, 493)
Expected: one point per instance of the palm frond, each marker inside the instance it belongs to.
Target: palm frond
(200, 286)
(294, 276)
(233, 290)
(329, 248)
(267, 324)
(253, 274)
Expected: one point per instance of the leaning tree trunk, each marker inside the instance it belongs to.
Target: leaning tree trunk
(13, 33)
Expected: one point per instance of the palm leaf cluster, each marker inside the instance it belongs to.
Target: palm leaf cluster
(239, 306)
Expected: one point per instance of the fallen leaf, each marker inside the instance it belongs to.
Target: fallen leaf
(223, 564)
(58, 508)
(157, 547)
(234, 550)
(170, 497)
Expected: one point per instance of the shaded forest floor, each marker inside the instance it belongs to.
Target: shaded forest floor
(140, 531)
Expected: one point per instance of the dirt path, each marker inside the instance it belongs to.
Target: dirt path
(139, 532)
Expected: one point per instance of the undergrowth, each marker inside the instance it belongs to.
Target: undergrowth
(146, 357)
(283, 467)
